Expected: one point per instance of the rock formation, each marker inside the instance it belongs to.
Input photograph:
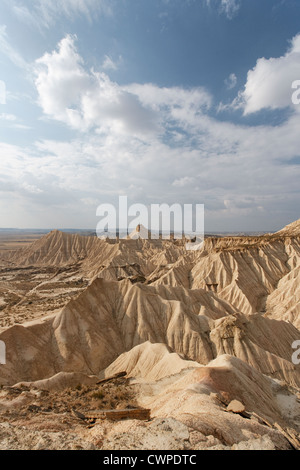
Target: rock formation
(195, 330)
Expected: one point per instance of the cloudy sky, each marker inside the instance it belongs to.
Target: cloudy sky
(165, 101)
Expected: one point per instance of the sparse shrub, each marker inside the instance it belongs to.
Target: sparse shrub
(98, 395)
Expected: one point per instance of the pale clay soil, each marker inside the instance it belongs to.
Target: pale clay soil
(203, 339)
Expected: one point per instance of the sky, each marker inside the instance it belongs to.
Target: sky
(162, 101)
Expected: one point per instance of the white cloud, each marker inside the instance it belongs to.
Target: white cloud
(2, 92)
(60, 82)
(155, 144)
(26, 15)
(231, 81)
(86, 99)
(32, 189)
(109, 64)
(73, 8)
(248, 168)
(269, 83)
(192, 99)
(7, 117)
(184, 181)
(129, 138)
(44, 13)
(13, 122)
(229, 7)
(7, 49)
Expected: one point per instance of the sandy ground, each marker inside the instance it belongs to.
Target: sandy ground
(31, 292)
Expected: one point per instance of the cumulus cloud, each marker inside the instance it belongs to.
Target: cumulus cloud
(87, 99)
(163, 140)
(61, 80)
(155, 144)
(196, 99)
(269, 83)
(235, 171)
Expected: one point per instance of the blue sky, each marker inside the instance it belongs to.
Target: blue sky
(165, 101)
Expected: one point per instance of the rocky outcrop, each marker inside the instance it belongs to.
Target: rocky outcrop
(110, 318)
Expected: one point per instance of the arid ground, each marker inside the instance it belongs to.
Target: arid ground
(98, 328)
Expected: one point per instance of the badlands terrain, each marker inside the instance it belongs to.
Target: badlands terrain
(202, 339)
